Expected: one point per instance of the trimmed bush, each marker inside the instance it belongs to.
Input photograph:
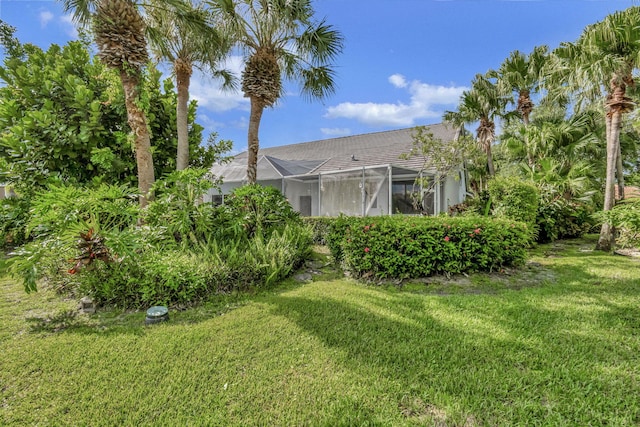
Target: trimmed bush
(514, 199)
(411, 247)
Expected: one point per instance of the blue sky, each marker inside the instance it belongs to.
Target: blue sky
(404, 63)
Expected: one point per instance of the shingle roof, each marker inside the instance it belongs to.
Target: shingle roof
(328, 155)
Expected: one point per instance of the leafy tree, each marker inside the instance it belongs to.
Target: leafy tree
(280, 39)
(186, 47)
(440, 159)
(605, 57)
(63, 115)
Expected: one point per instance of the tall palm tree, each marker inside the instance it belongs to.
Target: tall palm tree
(119, 31)
(119, 34)
(280, 39)
(483, 103)
(605, 56)
(185, 47)
(520, 74)
(518, 77)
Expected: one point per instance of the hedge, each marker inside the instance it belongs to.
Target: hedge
(410, 247)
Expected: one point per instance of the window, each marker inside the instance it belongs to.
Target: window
(407, 198)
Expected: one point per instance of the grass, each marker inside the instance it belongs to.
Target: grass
(554, 343)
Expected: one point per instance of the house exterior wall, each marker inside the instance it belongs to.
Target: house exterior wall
(296, 190)
(358, 192)
(450, 194)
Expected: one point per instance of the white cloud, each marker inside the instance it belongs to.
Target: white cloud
(208, 122)
(425, 102)
(69, 27)
(207, 91)
(45, 17)
(398, 80)
(336, 131)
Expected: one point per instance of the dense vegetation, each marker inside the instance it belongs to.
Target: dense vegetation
(552, 342)
(75, 143)
(411, 247)
(89, 242)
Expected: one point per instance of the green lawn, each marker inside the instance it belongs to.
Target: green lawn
(554, 343)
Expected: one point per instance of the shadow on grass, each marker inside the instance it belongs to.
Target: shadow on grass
(482, 357)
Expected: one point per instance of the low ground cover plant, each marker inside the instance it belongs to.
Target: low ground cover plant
(402, 247)
(90, 241)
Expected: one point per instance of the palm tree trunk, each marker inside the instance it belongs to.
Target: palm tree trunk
(620, 173)
(606, 241)
(492, 171)
(183, 79)
(257, 108)
(138, 123)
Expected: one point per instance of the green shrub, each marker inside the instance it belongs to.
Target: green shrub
(625, 217)
(514, 199)
(320, 226)
(177, 208)
(14, 216)
(72, 228)
(403, 247)
(88, 242)
(259, 209)
(337, 229)
(562, 219)
(480, 204)
(186, 276)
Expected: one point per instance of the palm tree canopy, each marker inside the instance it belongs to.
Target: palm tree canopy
(521, 73)
(482, 103)
(189, 38)
(281, 38)
(83, 10)
(605, 56)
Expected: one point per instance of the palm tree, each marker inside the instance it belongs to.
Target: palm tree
(605, 56)
(186, 47)
(279, 39)
(119, 34)
(566, 151)
(520, 74)
(483, 103)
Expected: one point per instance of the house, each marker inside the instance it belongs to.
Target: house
(360, 175)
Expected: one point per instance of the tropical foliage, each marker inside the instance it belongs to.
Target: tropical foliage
(88, 242)
(599, 66)
(63, 117)
(401, 247)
